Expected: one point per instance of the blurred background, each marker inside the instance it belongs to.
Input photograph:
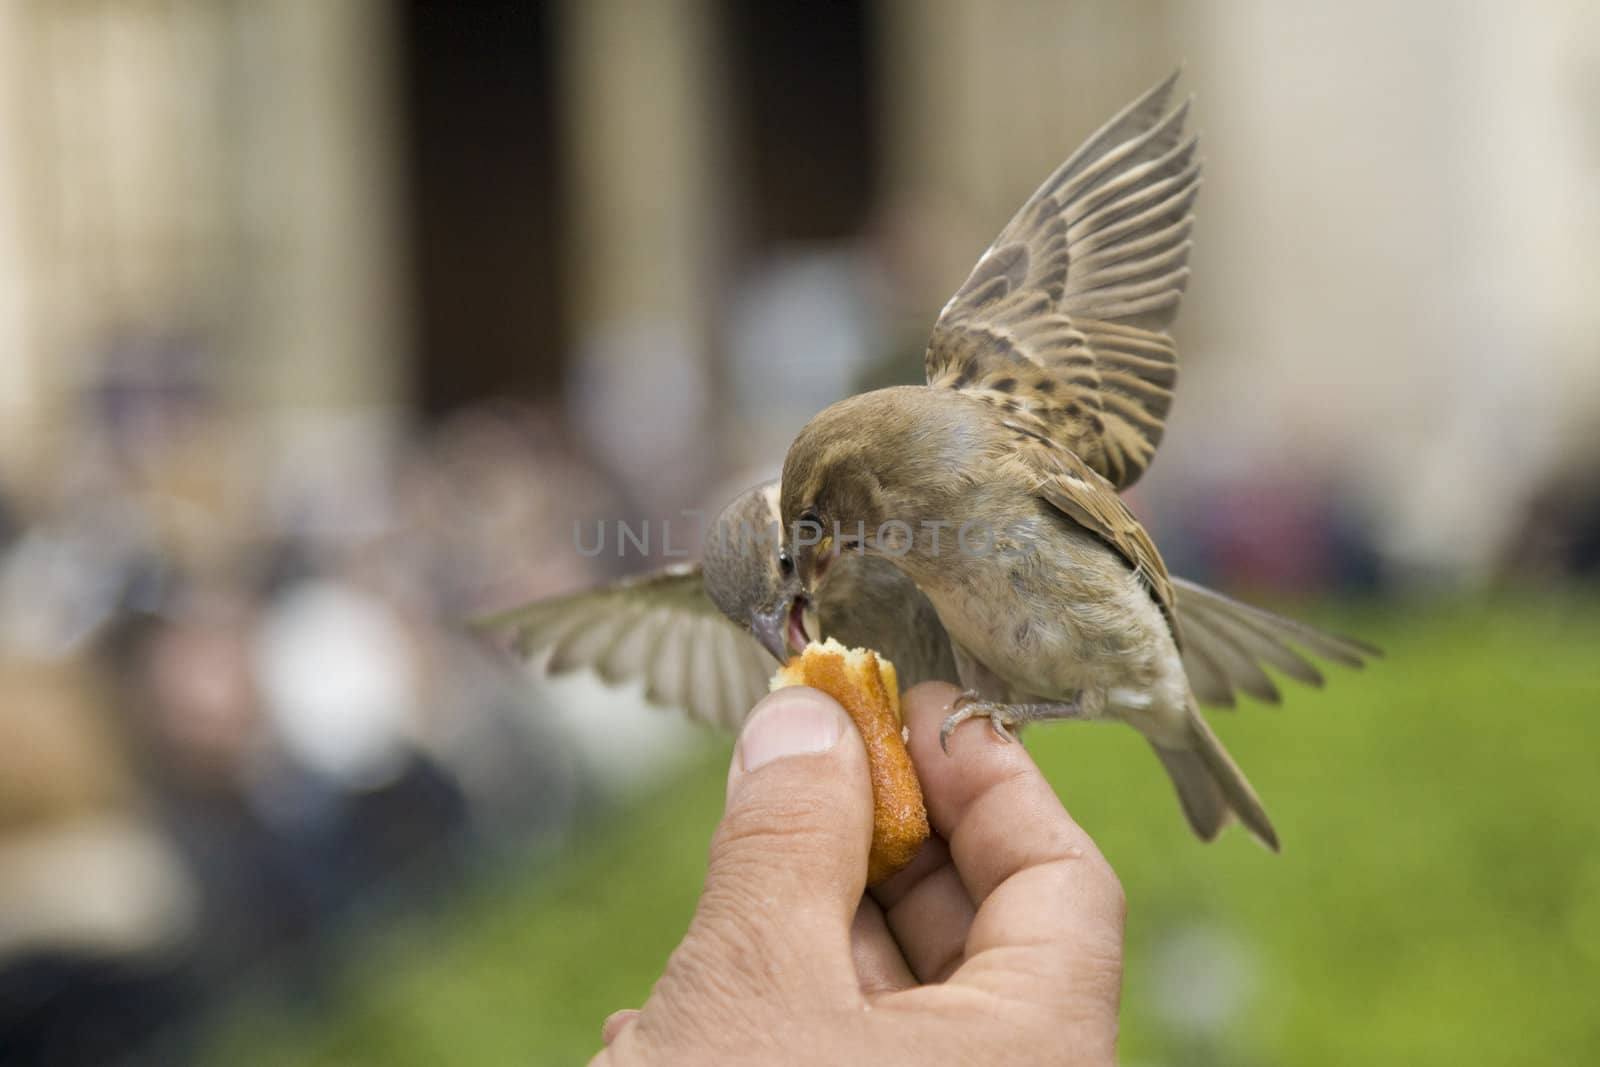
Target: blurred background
(322, 324)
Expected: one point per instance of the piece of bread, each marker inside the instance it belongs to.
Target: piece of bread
(865, 684)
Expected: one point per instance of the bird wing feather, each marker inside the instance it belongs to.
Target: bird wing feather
(1063, 317)
(659, 629)
(1225, 644)
(1082, 494)
(1229, 642)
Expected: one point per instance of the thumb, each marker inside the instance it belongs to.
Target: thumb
(789, 860)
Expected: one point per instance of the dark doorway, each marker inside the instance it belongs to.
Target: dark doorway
(481, 107)
(805, 110)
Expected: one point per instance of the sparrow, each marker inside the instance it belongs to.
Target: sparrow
(1049, 378)
(693, 635)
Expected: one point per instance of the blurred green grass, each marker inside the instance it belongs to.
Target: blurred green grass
(1437, 899)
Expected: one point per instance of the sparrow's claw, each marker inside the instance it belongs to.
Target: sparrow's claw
(949, 727)
(969, 705)
(1004, 718)
(1001, 726)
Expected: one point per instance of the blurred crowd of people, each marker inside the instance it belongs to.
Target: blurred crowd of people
(241, 712)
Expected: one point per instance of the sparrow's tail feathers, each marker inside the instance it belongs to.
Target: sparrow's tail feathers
(1202, 800)
(1210, 785)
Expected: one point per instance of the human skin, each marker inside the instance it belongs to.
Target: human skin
(1001, 943)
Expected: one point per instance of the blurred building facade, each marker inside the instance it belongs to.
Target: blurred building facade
(340, 217)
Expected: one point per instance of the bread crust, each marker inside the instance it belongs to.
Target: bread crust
(865, 684)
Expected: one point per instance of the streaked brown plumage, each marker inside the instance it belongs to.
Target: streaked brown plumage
(1049, 380)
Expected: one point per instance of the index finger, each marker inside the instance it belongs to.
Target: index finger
(1039, 882)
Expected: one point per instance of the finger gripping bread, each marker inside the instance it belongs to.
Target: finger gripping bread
(866, 685)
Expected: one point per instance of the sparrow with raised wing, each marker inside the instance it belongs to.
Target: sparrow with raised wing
(1106, 236)
(1050, 376)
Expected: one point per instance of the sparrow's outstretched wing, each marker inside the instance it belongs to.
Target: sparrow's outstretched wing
(1227, 643)
(657, 628)
(1062, 317)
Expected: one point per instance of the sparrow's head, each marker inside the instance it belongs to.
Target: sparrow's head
(834, 495)
(752, 579)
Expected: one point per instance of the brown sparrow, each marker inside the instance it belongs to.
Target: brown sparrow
(1048, 391)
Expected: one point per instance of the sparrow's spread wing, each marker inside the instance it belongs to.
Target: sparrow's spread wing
(658, 628)
(1061, 318)
(1226, 645)
(1073, 488)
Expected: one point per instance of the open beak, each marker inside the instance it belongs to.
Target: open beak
(782, 631)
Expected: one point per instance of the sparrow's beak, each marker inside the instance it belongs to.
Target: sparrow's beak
(782, 630)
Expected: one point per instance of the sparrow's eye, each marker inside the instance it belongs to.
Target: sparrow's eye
(785, 562)
(809, 515)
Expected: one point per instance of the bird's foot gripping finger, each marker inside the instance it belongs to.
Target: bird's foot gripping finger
(1004, 718)
(969, 705)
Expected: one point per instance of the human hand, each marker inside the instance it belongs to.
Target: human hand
(1001, 943)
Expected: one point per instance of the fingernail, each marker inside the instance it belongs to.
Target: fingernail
(791, 722)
